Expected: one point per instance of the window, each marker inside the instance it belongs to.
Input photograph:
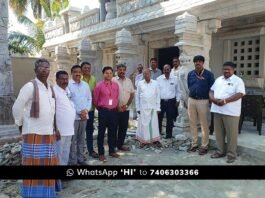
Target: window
(245, 53)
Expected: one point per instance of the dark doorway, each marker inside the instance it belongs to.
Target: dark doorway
(165, 56)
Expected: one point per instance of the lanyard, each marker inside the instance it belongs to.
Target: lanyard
(200, 77)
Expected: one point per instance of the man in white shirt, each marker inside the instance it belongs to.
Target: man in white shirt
(81, 97)
(175, 69)
(170, 97)
(126, 94)
(65, 115)
(148, 106)
(33, 112)
(225, 95)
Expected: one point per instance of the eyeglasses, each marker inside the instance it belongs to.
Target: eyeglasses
(41, 68)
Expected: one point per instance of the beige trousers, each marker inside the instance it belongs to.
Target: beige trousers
(198, 110)
(225, 125)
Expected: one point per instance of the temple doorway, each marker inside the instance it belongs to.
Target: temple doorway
(165, 56)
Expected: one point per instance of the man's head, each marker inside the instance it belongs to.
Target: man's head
(147, 74)
(175, 62)
(107, 73)
(167, 69)
(42, 69)
(62, 79)
(76, 73)
(140, 68)
(153, 62)
(86, 68)
(121, 70)
(198, 62)
(228, 69)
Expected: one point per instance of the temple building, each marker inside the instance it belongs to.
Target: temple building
(133, 31)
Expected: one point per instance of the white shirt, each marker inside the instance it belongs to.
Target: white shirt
(138, 78)
(65, 111)
(225, 88)
(174, 72)
(125, 89)
(81, 96)
(21, 110)
(169, 88)
(147, 95)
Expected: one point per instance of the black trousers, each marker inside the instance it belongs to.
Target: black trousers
(168, 107)
(107, 119)
(123, 119)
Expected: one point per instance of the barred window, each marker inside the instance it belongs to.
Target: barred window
(245, 54)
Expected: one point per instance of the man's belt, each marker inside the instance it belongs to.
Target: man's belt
(166, 100)
(198, 98)
(107, 109)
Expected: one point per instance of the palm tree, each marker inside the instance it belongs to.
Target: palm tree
(21, 43)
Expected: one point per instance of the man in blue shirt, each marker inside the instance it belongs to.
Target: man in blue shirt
(200, 81)
(81, 97)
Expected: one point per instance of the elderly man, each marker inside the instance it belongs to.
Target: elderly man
(106, 100)
(65, 115)
(200, 81)
(226, 94)
(170, 97)
(33, 112)
(155, 71)
(81, 97)
(148, 106)
(126, 94)
(91, 81)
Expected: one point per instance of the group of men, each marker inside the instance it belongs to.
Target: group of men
(56, 120)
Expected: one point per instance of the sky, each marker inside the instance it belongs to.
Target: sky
(15, 26)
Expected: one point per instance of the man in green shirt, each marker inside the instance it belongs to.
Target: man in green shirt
(91, 81)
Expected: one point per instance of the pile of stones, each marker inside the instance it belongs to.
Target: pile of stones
(10, 154)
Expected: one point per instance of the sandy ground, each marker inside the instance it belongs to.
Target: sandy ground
(157, 188)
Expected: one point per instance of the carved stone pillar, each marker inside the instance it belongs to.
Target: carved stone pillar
(126, 52)
(62, 58)
(6, 77)
(86, 53)
(189, 45)
(111, 10)
(194, 39)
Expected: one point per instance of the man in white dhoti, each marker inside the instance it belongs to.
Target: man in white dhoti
(148, 106)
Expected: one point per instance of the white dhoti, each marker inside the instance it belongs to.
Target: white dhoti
(147, 130)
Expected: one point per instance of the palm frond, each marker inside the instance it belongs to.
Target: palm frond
(21, 43)
(19, 6)
(46, 6)
(25, 20)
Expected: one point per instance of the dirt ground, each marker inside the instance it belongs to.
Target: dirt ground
(156, 188)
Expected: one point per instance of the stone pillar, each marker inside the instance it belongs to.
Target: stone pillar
(189, 45)
(86, 53)
(111, 10)
(6, 76)
(126, 52)
(194, 39)
(62, 59)
(102, 10)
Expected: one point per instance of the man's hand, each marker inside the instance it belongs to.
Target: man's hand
(158, 112)
(83, 114)
(57, 135)
(177, 104)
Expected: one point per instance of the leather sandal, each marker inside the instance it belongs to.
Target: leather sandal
(217, 155)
